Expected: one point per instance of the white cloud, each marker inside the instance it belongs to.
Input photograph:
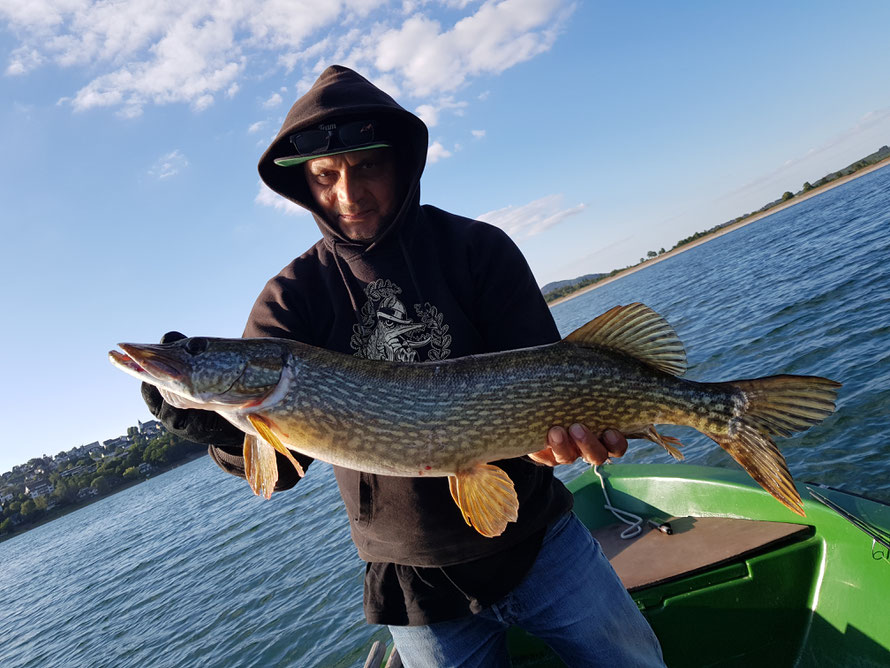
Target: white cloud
(521, 222)
(169, 165)
(164, 52)
(256, 127)
(478, 134)
(437, 152)
(273, 101)
(498, 36)
(267, 197)
(429, 113)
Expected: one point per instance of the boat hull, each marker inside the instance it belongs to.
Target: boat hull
(773, 588)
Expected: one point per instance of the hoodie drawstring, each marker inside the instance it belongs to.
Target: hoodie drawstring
(410, 265)
(358, 315)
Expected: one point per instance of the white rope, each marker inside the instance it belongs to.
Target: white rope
(635, 522)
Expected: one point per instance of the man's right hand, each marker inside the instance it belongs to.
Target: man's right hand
(191, 424)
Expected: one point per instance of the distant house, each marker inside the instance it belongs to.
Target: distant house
(145, 468)
(151, 428)
(86, 492)
(94, 448)
(77, 470)
(113, 444)
(37, 490)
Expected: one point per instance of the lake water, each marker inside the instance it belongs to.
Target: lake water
(190, 569)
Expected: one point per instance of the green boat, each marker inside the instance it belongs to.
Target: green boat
(727, 576)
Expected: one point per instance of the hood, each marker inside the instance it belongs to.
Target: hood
(340, 93)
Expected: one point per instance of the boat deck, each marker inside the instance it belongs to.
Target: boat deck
(696, 545)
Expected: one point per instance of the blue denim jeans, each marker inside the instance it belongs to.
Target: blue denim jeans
(571, 599)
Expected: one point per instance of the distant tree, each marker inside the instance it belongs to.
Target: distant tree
(131, 473)
(787, 195)
(807, 187)
(6, 526)
(29, 508)
(155, 454)
(101, 484)
(65, 491)
(662, 251)
(651, 254)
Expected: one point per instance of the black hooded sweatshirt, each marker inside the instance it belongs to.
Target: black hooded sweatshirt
(429, 286)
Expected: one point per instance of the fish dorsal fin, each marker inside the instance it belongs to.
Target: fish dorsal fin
(638, 331)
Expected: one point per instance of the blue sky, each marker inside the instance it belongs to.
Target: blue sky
(592, 132)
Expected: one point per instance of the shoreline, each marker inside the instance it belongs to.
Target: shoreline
(725, 230)
(67, 509)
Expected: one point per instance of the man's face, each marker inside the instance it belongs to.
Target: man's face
(358, 191)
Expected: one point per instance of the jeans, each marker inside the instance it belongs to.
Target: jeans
(571, 599)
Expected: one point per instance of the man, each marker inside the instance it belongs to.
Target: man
(391, 279)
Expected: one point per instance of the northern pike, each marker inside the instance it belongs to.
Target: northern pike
(454, 417)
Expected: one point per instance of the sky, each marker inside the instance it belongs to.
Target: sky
(592, 132)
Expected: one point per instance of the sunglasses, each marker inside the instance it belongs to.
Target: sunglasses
(355, 133)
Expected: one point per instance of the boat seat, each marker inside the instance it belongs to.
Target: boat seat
(697, 544)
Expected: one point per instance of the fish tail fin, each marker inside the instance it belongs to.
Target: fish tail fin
(774, 406)
(486, 498)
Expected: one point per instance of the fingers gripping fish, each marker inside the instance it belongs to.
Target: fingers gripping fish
(454, 417)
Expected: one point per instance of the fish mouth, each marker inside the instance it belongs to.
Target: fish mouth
(141, 360)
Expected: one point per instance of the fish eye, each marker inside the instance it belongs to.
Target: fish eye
(196, 345)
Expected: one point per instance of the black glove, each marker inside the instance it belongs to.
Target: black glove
(191, 424)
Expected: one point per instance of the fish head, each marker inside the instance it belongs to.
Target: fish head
(203, 372)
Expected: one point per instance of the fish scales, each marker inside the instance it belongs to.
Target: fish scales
(456, 416)
(505, 414)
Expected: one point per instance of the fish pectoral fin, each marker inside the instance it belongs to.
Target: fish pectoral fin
(486, 498)
(265, 430)
(260, 466)
(638, 331)
(452, 487)
(669, 443)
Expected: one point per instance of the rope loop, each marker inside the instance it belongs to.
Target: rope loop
(635, 522)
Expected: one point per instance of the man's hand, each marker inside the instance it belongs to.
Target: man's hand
(565, 446)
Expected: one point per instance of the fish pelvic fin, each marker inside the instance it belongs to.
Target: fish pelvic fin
(775, 406)
(669, 443)
(260, 466)
(265, 429)
(638, 331)
(486, 498)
